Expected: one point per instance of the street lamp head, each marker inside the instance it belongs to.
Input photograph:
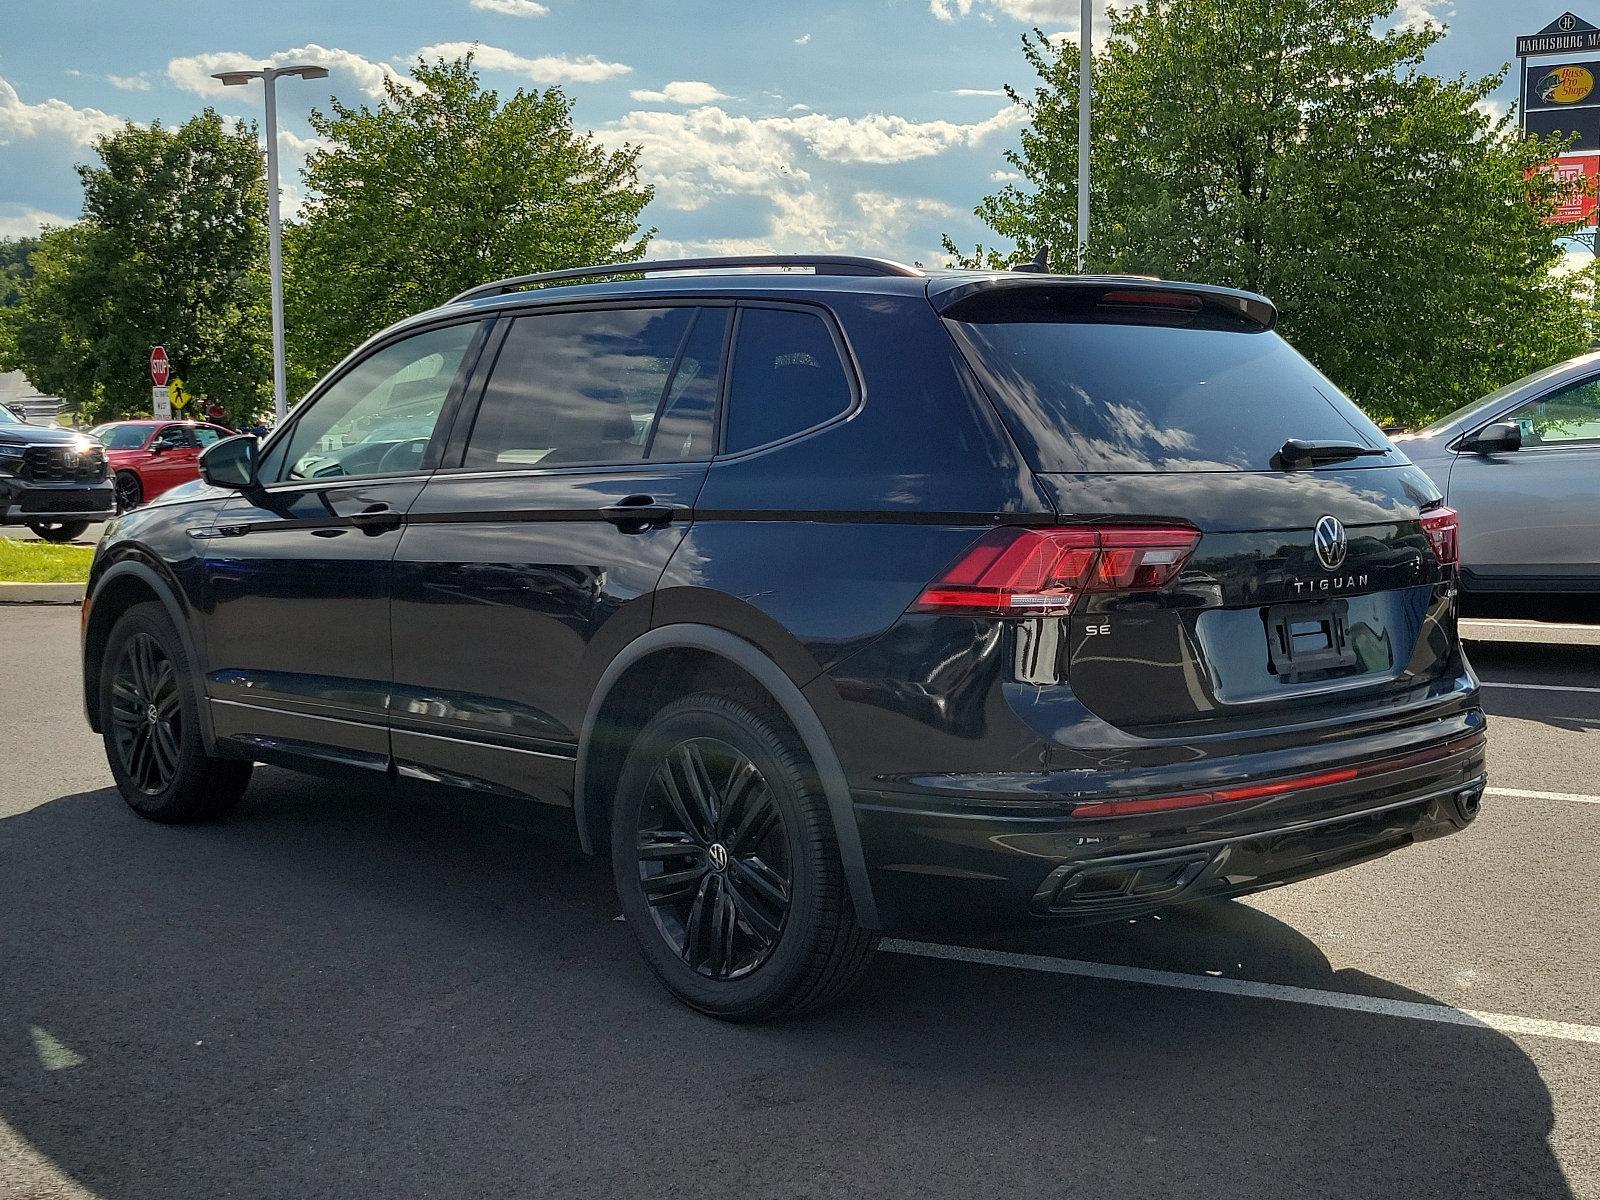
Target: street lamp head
(303, 70)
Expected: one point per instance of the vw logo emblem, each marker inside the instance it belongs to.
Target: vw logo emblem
(719, 856)
(1331, 543)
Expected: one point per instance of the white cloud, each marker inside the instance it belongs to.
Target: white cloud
(51, 118)
(977, 91)
(193, 72)
(1416, 14)
(547, 69)
(1034, 12)
(682, 91)
(129, 83)
(880, 138)
(512, 8)
(706, 152)
(1004, 176)
(803, 40)
(868, 223)
(1491, 108)
(799, 108)
(17, 221)
(694, 156)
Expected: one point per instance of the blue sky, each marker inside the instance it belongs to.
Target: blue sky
(843, 125)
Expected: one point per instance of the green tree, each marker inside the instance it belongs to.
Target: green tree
(1297, 148)
(43, 334)
(439, 188)
(171, 251)
(14, 268)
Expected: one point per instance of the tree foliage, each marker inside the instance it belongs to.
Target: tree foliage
(15, 270)
(1297, 148)
(171, 251)
(438, 188)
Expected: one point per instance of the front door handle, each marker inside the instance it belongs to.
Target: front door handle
(635, 514)
(376, 519)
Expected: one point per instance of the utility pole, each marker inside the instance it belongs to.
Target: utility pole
(269, 78)
(1085, 89)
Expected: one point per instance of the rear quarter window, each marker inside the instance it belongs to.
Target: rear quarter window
(1105, 397)
(787, 378)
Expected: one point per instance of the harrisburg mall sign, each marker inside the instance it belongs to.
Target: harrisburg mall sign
(1561, 99)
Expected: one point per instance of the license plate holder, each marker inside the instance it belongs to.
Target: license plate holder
(1310, 638)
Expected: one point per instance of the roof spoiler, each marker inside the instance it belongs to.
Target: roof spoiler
(947, 293)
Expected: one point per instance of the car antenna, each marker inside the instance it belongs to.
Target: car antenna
(1040, 264)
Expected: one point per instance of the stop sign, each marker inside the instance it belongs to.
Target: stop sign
(160, 368)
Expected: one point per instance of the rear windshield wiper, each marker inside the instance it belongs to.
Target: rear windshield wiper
(1297, 452)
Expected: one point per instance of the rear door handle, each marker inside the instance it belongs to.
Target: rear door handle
(376, 519)
(635, 514)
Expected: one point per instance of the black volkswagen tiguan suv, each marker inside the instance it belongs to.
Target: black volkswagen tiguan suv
(828, 597)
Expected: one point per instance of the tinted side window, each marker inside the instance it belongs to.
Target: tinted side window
(586, 387)
(688, 423)
(206, 435)
(378, 417)
(787, 377)
(1568, 417)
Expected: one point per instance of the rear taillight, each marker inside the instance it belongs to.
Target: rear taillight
(1019, 572)
(1442, 526)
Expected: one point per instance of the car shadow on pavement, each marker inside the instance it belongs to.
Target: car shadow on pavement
(1539, 664)
(335, 994)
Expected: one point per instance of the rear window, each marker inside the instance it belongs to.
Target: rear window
(1093, 397)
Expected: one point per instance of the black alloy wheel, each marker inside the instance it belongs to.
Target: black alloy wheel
(129, 491)
(713, 858)
(728, 871)
(150, 721)
(146, 714)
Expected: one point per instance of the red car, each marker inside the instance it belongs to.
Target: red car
(148, 457)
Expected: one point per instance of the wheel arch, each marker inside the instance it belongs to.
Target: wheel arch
(119, 588)
(668, 659)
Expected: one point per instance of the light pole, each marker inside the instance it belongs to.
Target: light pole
(1085, 57)
(269, 77)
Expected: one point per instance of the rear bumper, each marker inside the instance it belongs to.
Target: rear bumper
(945, 862)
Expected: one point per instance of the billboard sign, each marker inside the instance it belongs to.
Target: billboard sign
(1579, 173)
(1562, 85)
(1566, 34)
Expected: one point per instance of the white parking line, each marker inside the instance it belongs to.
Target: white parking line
(1377, 1005)
(1520, 623)
(1540, 687)
(1519, 794)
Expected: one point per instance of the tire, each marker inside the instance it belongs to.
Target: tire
(149, 715)
(129, 491)
(58, 531)
(707, 915)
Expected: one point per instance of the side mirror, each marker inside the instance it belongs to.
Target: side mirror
(230, 463)
(1495, 439)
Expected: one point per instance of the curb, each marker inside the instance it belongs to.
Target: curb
(1528, 633)
(41, 593)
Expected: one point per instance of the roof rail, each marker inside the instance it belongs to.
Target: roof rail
(821, 264)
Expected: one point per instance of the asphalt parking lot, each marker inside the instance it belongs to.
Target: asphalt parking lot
(335, 994)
